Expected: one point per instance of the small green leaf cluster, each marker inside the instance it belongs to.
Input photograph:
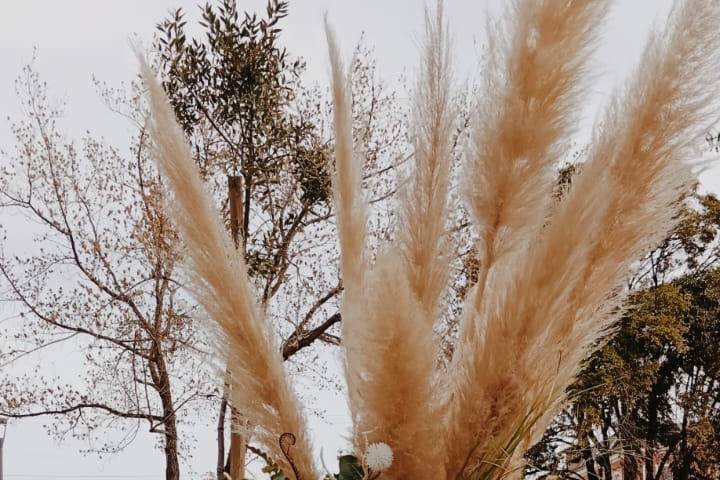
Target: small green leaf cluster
(350, 468)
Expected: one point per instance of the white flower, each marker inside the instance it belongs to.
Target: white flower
(378, 457)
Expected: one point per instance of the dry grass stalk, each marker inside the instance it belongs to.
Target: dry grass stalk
(561, 300)
(218, 278)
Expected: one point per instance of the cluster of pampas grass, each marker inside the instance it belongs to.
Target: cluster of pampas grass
(389, 309)
(551, 278)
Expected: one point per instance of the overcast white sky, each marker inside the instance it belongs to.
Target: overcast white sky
(79, 39)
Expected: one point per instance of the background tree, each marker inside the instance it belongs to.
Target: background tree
(651, 395)
(99, 275)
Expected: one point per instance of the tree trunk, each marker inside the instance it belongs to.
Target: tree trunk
(652, 422)
(630, 465)
(235, 463)
(662, 385)
(172, 466)
(235, 466)
(605, 457)
(589, 460)
(162, 381)
(235, 205)
(683, 462)
(220, 467)
(237, 456)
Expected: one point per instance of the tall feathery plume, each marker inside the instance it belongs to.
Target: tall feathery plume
(396, 401)
(388, 333)
(525, 116)
(644, 152)
(347, 182)
(351, 215)
(424, 205)
(562, 301)
(218, 278)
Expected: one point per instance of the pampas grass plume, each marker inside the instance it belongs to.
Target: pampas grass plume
(218, 279)
(563, 298)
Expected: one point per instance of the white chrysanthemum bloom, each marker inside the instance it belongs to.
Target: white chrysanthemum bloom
(378, 456)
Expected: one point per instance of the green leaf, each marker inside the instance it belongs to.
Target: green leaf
(350, 468)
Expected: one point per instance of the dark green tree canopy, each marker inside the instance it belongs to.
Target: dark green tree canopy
(651, 396)
(242, 85)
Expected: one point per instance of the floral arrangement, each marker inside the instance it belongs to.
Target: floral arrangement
(551, 278)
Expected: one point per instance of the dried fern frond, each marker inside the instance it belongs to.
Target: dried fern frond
(566, 295)
(218, 279)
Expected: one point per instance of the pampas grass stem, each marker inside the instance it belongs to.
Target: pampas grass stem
(218, 279)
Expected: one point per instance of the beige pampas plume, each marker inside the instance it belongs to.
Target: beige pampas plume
(395, 394)
(532, 85)
(347, 182)
(562, 298)
(351, 215)
(260, 388)
(424, 205)
(388, 315)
